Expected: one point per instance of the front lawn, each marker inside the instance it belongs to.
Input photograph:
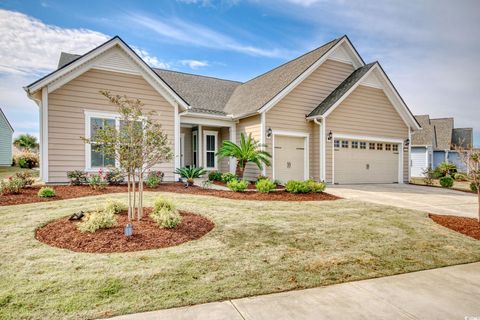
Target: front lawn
(457, 185)
(256, 247)
(6, 172)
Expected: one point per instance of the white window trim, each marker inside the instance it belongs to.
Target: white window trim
(306, 143)
(205, 134)
(195, 148)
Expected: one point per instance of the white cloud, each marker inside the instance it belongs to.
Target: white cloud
(194, 64)
(304, 3)
(189, 33)
(151, 60)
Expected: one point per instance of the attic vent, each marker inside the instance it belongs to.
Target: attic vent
(116, 60)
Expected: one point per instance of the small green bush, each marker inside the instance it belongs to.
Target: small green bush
(46, 192)
(446, 169)
(460, 177)
(27, 160)
(12, 185)
(262, 177)
(165, 213)
(473, 187)
(115, 176)
(154, 178)
(310, 185)
(237, 185)
(26, 178)
(97, 180)
(228, 176)
(215, 176)
(77, 177)
(96, 220)
(446, 182)
(265, 185)
(114, 206)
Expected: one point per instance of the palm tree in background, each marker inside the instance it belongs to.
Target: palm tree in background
(247, 151)
(26, 142)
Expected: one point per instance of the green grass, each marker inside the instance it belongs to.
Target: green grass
(6, 172)
(255, 248)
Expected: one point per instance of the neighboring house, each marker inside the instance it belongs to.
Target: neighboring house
(6, 133)
(436, 142)
(325, 115)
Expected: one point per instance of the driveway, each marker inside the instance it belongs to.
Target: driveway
(445, 293)
(429, 199)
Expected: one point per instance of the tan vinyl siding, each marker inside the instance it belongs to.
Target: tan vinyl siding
(66, 118)
(366, 112)
(247, 126)
(289, 114)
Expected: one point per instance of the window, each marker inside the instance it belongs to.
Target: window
(194, 147)
(395, 147)
(99, 159)
(354, 144)
(363, 145)
(388, 147)
(210, 138)
(345, 144)
(371, 146)
(379, 146)
(336, 144)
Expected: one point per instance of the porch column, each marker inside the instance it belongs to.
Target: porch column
(200, 146)
(176, 157)
(233, 138)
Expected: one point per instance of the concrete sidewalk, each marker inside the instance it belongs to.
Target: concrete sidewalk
(445, 293)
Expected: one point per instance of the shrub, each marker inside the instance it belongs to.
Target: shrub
(446, 182)
(11, 186)
(228, 176)
(97, 180)
(237, 185)
(265, 185)
(114, 176)
(154, 178)
(473, 187)
(114, 206)
(460, 177)
(165, 213)
(446, 168)
(26, 178)
(262, 177)
(77, 177)
(310, 185)
(27, 160)
(215, 176)
(190, 173)
(46, 192)
(96, 220)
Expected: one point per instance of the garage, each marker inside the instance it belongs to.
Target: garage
(289, 157)
(365, 162)
(418, 161)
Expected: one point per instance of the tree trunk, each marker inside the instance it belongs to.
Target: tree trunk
(129, 193)
(240, 169)
(134, 205)
(140, 196)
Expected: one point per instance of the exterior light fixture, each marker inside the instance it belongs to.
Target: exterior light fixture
(269, 133)
(407, 142)
(330, 136)
(128, 230)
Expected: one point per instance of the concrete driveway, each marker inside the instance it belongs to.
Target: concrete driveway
(429, 199)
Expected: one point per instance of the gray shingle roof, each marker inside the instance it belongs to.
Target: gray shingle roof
(66, 58)
(204, 94)
(341, 90)
(443, 133)
(254, 94)
(462, 137)
(426, 136)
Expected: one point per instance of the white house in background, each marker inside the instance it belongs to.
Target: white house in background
(6, 133)
(435, 144)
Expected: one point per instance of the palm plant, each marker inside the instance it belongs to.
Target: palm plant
(26, 142)
(247, 151)
(190, 173)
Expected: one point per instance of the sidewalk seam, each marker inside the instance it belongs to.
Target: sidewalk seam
(234, 306)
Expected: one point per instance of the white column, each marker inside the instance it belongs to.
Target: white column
(410, 153)
(200, 146)
(177, 140)
(262, 138)
(44, 135)
(233, 138)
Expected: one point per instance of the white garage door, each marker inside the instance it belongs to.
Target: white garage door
(365, 162)
(289, 158)
(418, 162)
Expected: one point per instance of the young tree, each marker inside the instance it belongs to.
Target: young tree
(26, 142)
(248, 150)
(137, 145)
(471, 159)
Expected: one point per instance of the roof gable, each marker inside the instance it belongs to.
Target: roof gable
(443, 133)
(4, 117)
(425, 136)
(115, 55)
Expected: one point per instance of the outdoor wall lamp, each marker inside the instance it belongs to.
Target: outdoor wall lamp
(407, 142)
(330, 136)
(269, 133)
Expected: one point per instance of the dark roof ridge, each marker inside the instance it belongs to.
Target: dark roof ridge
(197, 75)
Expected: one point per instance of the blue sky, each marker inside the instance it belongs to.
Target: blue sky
(428, 48)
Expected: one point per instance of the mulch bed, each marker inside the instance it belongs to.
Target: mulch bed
(147, 235)
(29, 195)
(467, 226)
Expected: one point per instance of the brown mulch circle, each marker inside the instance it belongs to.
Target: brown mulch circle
(29, 195)
(467, 226)
(147, 235)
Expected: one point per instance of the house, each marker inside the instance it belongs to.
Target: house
(436, 142)
(325, 115)
(6, 132)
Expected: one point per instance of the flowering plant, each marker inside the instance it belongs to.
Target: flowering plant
(97, 180)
